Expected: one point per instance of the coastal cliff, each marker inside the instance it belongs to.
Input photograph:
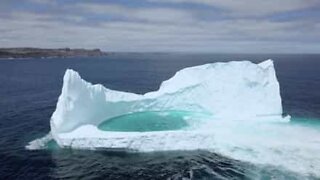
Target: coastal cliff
(47, 53)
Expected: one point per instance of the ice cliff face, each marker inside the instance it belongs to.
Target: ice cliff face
(233, 90)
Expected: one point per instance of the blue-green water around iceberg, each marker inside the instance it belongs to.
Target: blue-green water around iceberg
(150, 121)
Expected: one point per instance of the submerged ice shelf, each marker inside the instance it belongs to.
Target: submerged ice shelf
(231, 108)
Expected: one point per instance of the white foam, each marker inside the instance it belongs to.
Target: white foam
(40, 143)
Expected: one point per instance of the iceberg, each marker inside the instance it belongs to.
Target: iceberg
(234, 91)
(232, 108)
(223, 91)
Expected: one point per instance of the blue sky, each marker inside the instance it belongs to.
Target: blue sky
(218, 26)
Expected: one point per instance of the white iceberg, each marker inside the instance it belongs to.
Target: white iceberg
(227, 91)
(234, 90)
(231, 108)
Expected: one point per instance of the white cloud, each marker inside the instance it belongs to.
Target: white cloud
(251, 7)
(29, 29)
(44, 2)
(155, 29)
(154, 14)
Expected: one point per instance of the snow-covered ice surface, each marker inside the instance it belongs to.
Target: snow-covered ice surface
(242, 118)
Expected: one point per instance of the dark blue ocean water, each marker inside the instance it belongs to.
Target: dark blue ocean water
(29, 89)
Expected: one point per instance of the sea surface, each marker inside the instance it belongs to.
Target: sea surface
(29, 89)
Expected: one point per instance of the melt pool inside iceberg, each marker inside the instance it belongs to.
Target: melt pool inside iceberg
(232, 108)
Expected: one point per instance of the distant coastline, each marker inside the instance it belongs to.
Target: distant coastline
(12, 53)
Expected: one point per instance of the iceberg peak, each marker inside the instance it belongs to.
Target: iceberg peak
(266, 64)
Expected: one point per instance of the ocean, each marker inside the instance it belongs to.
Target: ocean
(29, 89)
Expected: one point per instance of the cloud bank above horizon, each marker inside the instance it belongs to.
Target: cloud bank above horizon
(218, 26)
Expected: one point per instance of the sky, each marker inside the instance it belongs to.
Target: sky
(210, 26)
